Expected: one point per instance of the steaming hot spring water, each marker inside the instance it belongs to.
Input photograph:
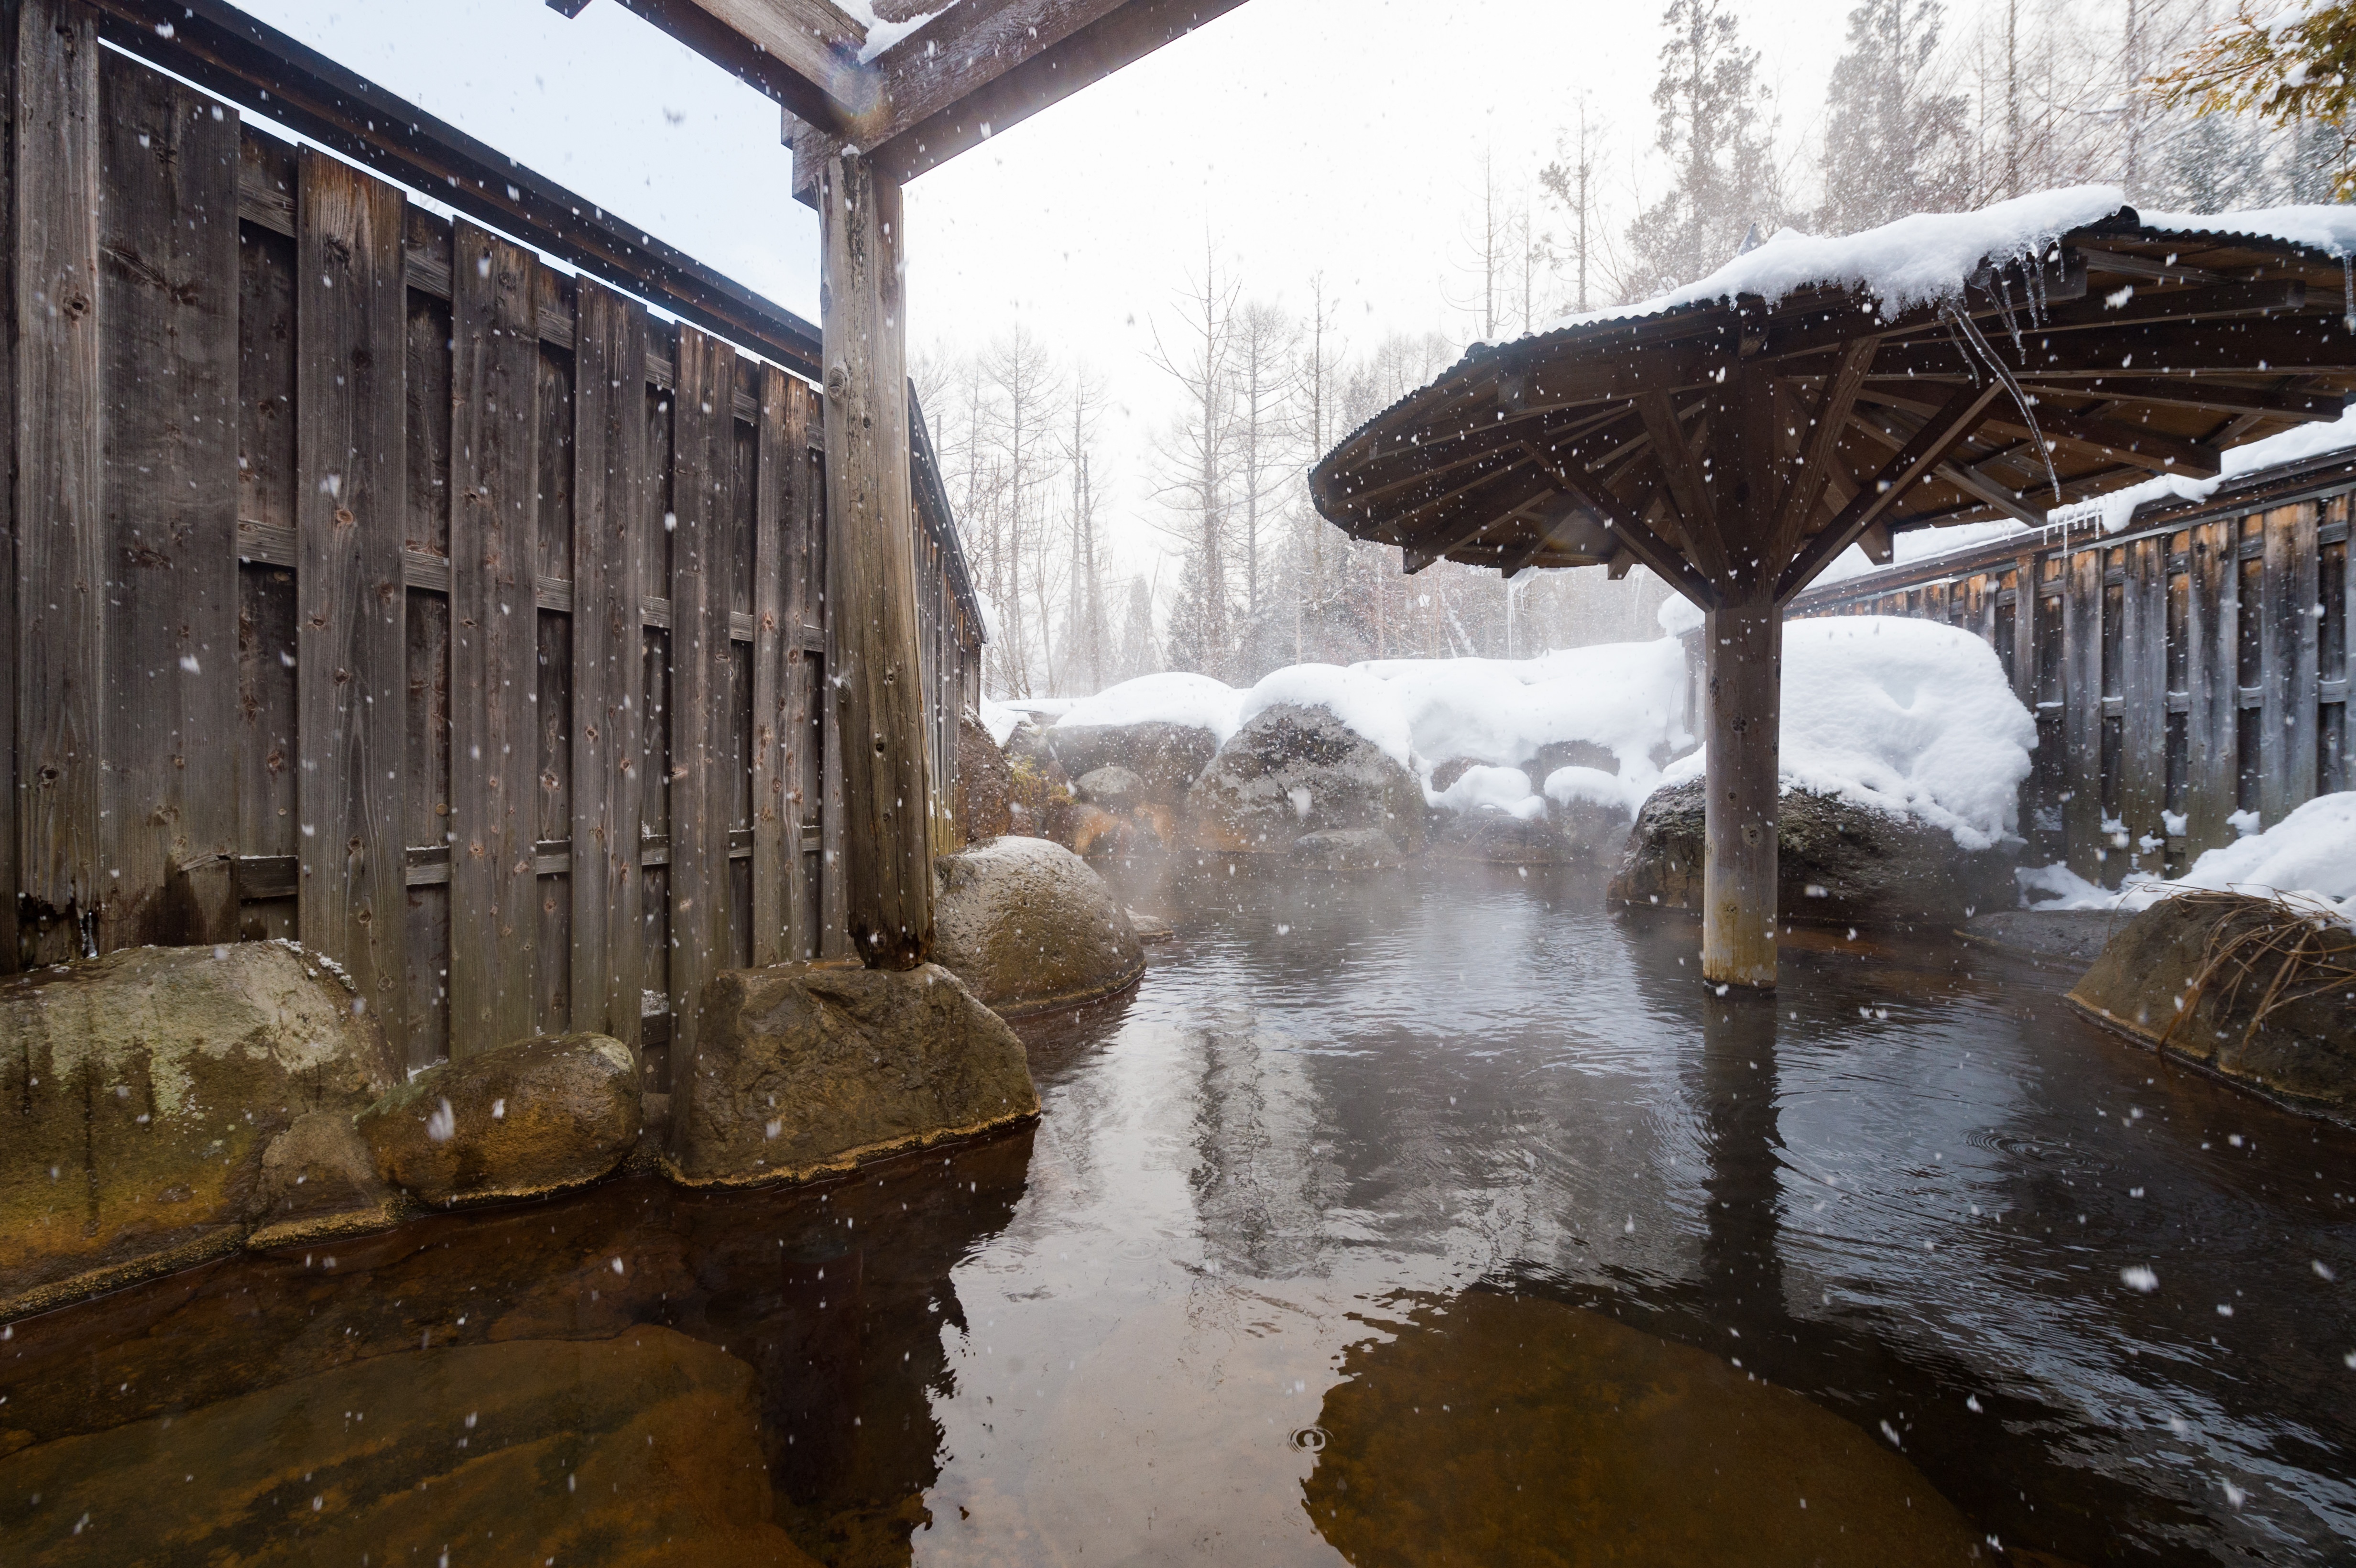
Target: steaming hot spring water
(1433, 1215)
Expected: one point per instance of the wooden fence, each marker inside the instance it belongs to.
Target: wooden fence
(2184, 670)
(380, 586)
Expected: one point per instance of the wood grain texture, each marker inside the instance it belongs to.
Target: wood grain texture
(2212, 709)
(1744, 648)
(351, 462)
(2143, 689)
(167, 300)
(2293, 590)
(703, 442)
(494, 893)
(62, 557)
(2082, 644)
(775, 460)
(871, 578)
(608, 587)
(11, 954)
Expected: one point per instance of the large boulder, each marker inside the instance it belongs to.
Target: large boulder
(1028, 926)
(1164, 758)
(802, 1069)
(141, 1090)
(985, 784)
(1836, 863)
(1295, 770)
(2256, 989)
(520, 1120)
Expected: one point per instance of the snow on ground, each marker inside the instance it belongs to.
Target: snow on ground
(1910, 716)
(2116, 510)
(2309, 854)
(1906, 716)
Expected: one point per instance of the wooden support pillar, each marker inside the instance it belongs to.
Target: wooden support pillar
(872, 624)
(1743, 645)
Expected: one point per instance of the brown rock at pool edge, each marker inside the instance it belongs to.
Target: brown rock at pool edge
(1029, 926)
(2260, 990)
(803, 1069)
(142, 1089)
(319, 1179)
(520, 1120)
(1516, 1433)
(644, 1448)
(985, 784)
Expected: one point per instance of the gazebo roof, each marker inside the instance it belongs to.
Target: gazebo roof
(1884, 381)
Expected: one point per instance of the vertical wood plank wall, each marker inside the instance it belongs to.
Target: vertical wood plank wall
(380, 585)
(2182, 675)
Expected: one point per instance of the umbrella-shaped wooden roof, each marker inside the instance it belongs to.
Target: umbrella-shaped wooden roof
(2098, 356)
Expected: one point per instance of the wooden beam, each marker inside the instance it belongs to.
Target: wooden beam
(1688, 491)
(2154, 452)
(984, 65)
(2305, 407)
(2277, 345)
(1667, 562)
(871, 622)
(1939, 436)
(1830, 418)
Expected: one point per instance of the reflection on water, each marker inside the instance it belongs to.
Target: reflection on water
(1354, 1148)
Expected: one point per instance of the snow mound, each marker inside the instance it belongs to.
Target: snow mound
(1359, 701)
(1627, 698)
(2117, 509)
(1591, 786)
(1909, 717)
(2310, 854)
(1194, 701)
(1000, 720)
(1678, 614)
(1500, 789)
(2330, 230)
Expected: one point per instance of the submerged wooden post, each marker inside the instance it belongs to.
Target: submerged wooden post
(874, 664)
(1744, 652)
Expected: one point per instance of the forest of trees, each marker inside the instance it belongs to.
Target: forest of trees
(2028, 97)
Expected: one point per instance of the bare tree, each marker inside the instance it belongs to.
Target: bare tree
(1084, 642)
(1198, 353)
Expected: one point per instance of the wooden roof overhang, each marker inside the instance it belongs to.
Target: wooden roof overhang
(2133, 351)
(973, 68)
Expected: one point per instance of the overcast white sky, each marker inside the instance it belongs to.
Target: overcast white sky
(1345, 136)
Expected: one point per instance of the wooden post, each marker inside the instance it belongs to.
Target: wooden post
(871, 569)
(1744, 650)
(62, 566)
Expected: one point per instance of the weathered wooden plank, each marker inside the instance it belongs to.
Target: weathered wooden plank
(1744, 642)
(871, 582)
(2210, 712)
(494, 894)
(2144, 702)
(428, 392)
(61, 564)
(265, 340)
(167, 380)
(11, 954)
(776, 459)
(352, 466)
(426, 784)
(699, 796)
(2279, 615)
(2081, 620)
(609, 585)
(2293, 588)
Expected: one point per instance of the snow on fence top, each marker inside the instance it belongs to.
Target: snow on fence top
(2117, 509)
(1904, 716)
(2309, 854)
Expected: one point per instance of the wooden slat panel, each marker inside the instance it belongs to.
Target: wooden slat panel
(2082, 813)
(352, 466)
(61, 565)
(9, 780)
(428, 391)
(2211, 716)
(2144, 707)
(494, 917)
(426, 784)
(2293, 585)
(698, 639)
(265, 330)
(774, 853)
(167, 296)
(2280, 614)
(610, 452)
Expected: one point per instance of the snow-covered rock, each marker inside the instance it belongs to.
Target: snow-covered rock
(1911, 717)
(1293, 772)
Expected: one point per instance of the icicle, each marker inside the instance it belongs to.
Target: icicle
(2020, 399)
(2011, 323)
